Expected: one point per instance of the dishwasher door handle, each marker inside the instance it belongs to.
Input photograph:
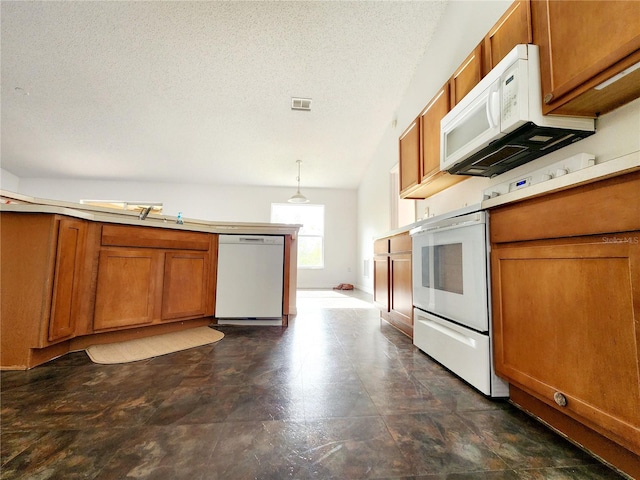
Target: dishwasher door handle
(251, 240)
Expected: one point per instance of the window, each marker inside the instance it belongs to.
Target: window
(311, 235)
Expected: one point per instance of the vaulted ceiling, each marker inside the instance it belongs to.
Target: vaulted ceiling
(200, 92)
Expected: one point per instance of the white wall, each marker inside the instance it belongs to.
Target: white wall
(227, 203)
(8, 181)
(464, 25)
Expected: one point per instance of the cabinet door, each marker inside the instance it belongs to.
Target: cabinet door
(186, 286)
(584, 41)
(467, 76)
(410, 157)
(401, 293)
(381, 282)
(68, 265)
(565, 327)
(513, 28)
(129, 284)
(430, 128)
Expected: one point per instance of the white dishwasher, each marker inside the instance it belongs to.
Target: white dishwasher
(250, 277)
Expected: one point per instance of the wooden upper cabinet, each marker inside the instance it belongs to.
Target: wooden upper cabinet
(410, 157)
(513, 28)
(583, 44)
(467, 76)
(430, 130)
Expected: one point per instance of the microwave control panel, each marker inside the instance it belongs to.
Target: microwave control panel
(510, 86)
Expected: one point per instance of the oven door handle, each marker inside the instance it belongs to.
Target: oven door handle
(442, 228)
(457, 336)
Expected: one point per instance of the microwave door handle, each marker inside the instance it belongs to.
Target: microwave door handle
(493, 104)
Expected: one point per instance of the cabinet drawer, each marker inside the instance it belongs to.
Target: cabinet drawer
(400, 243)
(598, 208)
(150, 237)
(381, 246)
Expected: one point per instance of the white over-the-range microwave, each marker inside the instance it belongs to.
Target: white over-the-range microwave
(499, 124)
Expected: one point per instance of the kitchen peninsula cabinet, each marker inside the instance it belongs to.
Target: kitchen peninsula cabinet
(67, 282)
(566, 303)
(45, 282)
(74, 276)
(166, 278)
(583, 44)
(393, 293)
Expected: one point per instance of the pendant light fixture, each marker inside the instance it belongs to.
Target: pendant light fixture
(298, 197)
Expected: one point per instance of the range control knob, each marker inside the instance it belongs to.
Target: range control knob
(560, 172)
(545, 176)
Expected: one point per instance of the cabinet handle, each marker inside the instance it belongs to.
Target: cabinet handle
(560, 399)
(548, 97)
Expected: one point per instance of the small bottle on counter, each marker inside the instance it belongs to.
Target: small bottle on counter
(179, 220)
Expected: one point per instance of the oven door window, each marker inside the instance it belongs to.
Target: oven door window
(442, 268)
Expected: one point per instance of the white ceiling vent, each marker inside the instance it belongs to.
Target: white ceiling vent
(301, 104)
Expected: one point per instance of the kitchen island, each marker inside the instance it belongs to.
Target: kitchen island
(75, 275)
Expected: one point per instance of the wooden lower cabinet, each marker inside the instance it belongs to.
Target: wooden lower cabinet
(129, 287)
(400, 293)
(186, 286)
(381, 282)
(566, 328)
(393, 294)
(46, 279)
(67, 284)
(566, 309)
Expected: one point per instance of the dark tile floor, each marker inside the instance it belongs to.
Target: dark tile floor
(337, 394)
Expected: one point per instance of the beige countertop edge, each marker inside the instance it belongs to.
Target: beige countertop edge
(154, 221)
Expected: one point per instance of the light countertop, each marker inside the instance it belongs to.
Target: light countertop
(15, 202)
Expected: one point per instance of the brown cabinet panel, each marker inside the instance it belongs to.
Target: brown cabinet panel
(400, 243)
(430, 130)
(66, 301)
(401, 293)
(583, 210)
(513, 28)
(129, 282)
(186, 286)
(410, 157)
(381, 282)
(392, 287)
(581, 45)
(467, 76)
(381, 246)
(564, 327)
(132, 236)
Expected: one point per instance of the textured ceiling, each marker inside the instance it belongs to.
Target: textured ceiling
(201, 91)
